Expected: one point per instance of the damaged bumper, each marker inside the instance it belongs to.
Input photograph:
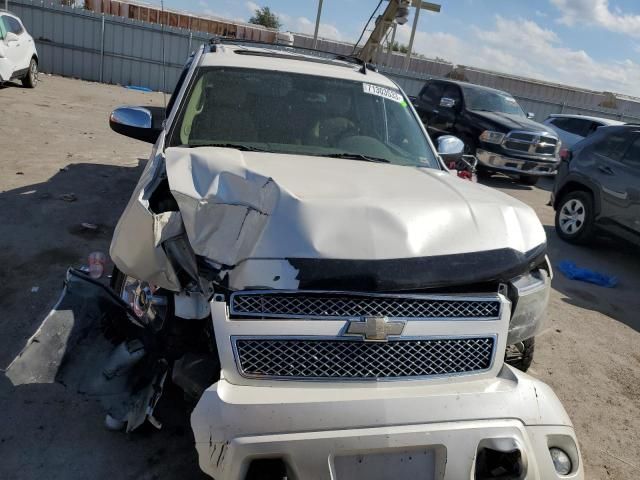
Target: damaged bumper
(501, 163)
(433, 432)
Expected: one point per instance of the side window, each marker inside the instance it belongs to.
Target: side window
(632, 156)
(3, 29)
(432, 93)
(593, 126)
(577, 126)
(560, 123)
(14, 25)
(613, 146)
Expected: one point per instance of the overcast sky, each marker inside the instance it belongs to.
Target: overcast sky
(589, 43)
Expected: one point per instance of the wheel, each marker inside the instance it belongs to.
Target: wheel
(483, 174)
(520, 355)
(575, 217)
(30, 80)
(529, 179)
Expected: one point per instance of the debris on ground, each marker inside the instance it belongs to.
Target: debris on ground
(89, 226)
(68, 197)
(573, 272)
(35, 289)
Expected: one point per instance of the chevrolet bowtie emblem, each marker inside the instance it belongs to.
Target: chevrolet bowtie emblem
(375, 328)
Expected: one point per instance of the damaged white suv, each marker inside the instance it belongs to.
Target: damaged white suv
(298, 259)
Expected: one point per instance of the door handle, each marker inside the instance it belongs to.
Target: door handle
(605, 169)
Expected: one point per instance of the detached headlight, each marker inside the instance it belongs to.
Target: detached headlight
(489, 136)
(531, 292)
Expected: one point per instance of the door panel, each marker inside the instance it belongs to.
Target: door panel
(630, 181)
(603, 163)
(18, 51)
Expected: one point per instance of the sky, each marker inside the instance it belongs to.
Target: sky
(587, 43)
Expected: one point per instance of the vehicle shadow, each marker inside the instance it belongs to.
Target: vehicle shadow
(502, 181)
(608, 256)
(49, 429)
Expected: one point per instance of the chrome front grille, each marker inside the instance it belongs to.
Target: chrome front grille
(305, 304)
(531, 143)
(334, 359)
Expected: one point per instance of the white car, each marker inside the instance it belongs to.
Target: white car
(573, 128)
(18, 55)
(297, 259)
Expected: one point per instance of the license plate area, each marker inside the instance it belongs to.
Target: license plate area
(419, 463)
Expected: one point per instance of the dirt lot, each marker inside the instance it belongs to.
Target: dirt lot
(55, 140)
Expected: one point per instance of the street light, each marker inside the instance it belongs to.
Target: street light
(420, 5)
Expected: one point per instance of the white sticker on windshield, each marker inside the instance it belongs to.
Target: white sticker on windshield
(383, 92)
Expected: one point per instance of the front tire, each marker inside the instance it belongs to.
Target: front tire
(30, 80)
(575, 217)
(530, 180)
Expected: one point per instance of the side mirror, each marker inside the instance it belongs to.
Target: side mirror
(447, 102)
(11, 37)
(450, 148)
(141, 123)
(531, 115)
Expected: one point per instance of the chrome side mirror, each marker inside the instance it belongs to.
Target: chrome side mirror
(447, 102)
(531, 115)
(141, 123)
(450, 147)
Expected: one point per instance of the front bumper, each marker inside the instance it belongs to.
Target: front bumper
(320, 430)
(502, 163)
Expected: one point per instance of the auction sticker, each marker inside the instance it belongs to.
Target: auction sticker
(383, 92)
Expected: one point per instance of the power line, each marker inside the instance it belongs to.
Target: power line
(365, 27)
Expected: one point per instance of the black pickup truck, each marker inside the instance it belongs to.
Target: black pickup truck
(493, 127)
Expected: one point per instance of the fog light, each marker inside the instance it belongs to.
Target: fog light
(561, 461)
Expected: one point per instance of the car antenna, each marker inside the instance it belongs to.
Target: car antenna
(164, 66)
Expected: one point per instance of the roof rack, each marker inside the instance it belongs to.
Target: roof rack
(220, 40)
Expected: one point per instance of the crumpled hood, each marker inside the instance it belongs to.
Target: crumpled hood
(514, 122)
(251, 205)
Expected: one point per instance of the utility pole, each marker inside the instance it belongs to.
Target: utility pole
(419, 4)
(315, 33)
(393, 40)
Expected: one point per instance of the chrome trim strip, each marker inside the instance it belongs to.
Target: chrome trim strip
(447, 298)
(235, 338)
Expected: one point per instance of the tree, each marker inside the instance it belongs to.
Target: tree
(265, 17)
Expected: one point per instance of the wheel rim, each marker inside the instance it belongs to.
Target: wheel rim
(33, 71)
(572, 216)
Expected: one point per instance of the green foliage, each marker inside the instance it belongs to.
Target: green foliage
(265, 17)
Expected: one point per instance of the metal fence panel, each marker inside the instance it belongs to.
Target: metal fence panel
(92, 46)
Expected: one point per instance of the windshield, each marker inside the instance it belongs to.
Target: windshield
(488, 101)
(300, 114)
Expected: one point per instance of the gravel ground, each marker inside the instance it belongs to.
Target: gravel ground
(55, 140)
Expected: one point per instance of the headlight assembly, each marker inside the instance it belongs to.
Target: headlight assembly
(530, 299)
(489, 136)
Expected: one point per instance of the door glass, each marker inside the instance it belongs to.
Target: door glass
(13, 25)
(613, 146)
(632, 156)
(432, 93)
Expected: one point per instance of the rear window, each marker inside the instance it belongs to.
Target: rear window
(575, 126)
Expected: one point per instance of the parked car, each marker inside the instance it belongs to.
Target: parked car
(297, 258)
(598, 186)
(18, 55)
(573, 128)
(493, 127)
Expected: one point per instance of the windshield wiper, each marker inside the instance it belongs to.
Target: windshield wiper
(357, 156)
(237, 146)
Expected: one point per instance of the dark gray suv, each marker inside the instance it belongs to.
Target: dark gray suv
(598, 186)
